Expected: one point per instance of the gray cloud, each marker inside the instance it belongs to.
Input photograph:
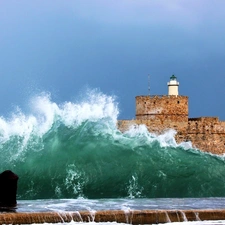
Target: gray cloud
(61, 46)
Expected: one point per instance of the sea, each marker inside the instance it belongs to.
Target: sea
(71, 156)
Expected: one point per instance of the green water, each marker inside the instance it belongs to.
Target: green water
(75, 150)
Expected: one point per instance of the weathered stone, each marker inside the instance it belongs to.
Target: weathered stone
(160, 113)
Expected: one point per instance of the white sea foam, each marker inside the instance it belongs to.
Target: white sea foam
(26, 130)
(134, 189)
(94, 106)
(74, 180)
(44, 112)
(165, 139)
(19, 125)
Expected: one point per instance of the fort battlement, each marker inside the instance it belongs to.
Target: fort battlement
(163, 112)
(162, 108)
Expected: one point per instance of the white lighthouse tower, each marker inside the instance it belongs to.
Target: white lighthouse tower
(173, 86)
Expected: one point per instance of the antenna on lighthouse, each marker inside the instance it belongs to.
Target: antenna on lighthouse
(148, 84)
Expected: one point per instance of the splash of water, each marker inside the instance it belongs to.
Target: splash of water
(75, 150)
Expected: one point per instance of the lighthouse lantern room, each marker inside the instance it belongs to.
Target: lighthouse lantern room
(173, 86)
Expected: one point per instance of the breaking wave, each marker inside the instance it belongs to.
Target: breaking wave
(74, 149)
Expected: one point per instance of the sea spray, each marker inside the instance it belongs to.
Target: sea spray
(74, 149)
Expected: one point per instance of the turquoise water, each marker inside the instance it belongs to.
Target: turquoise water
(74, 149)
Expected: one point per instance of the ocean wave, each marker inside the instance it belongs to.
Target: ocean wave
(74, 149)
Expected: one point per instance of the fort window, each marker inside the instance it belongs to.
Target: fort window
(178, 102)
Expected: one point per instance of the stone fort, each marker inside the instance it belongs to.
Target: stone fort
(162, 112)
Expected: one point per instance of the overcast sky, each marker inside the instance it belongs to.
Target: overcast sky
(64, 46)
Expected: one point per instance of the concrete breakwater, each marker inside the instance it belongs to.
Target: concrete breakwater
(120, 216)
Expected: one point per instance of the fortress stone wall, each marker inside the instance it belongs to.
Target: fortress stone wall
(160, 113)
(163, 108)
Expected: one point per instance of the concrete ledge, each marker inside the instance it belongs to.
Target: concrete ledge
(131, 217)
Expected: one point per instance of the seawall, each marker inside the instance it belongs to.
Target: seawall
(119, 216)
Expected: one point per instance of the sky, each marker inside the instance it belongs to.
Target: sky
(64, 46)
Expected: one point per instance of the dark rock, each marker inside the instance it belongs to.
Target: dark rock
(8, 188)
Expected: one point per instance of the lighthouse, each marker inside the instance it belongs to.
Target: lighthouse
(173, 86)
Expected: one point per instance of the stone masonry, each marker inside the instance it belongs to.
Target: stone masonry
(160, 113)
